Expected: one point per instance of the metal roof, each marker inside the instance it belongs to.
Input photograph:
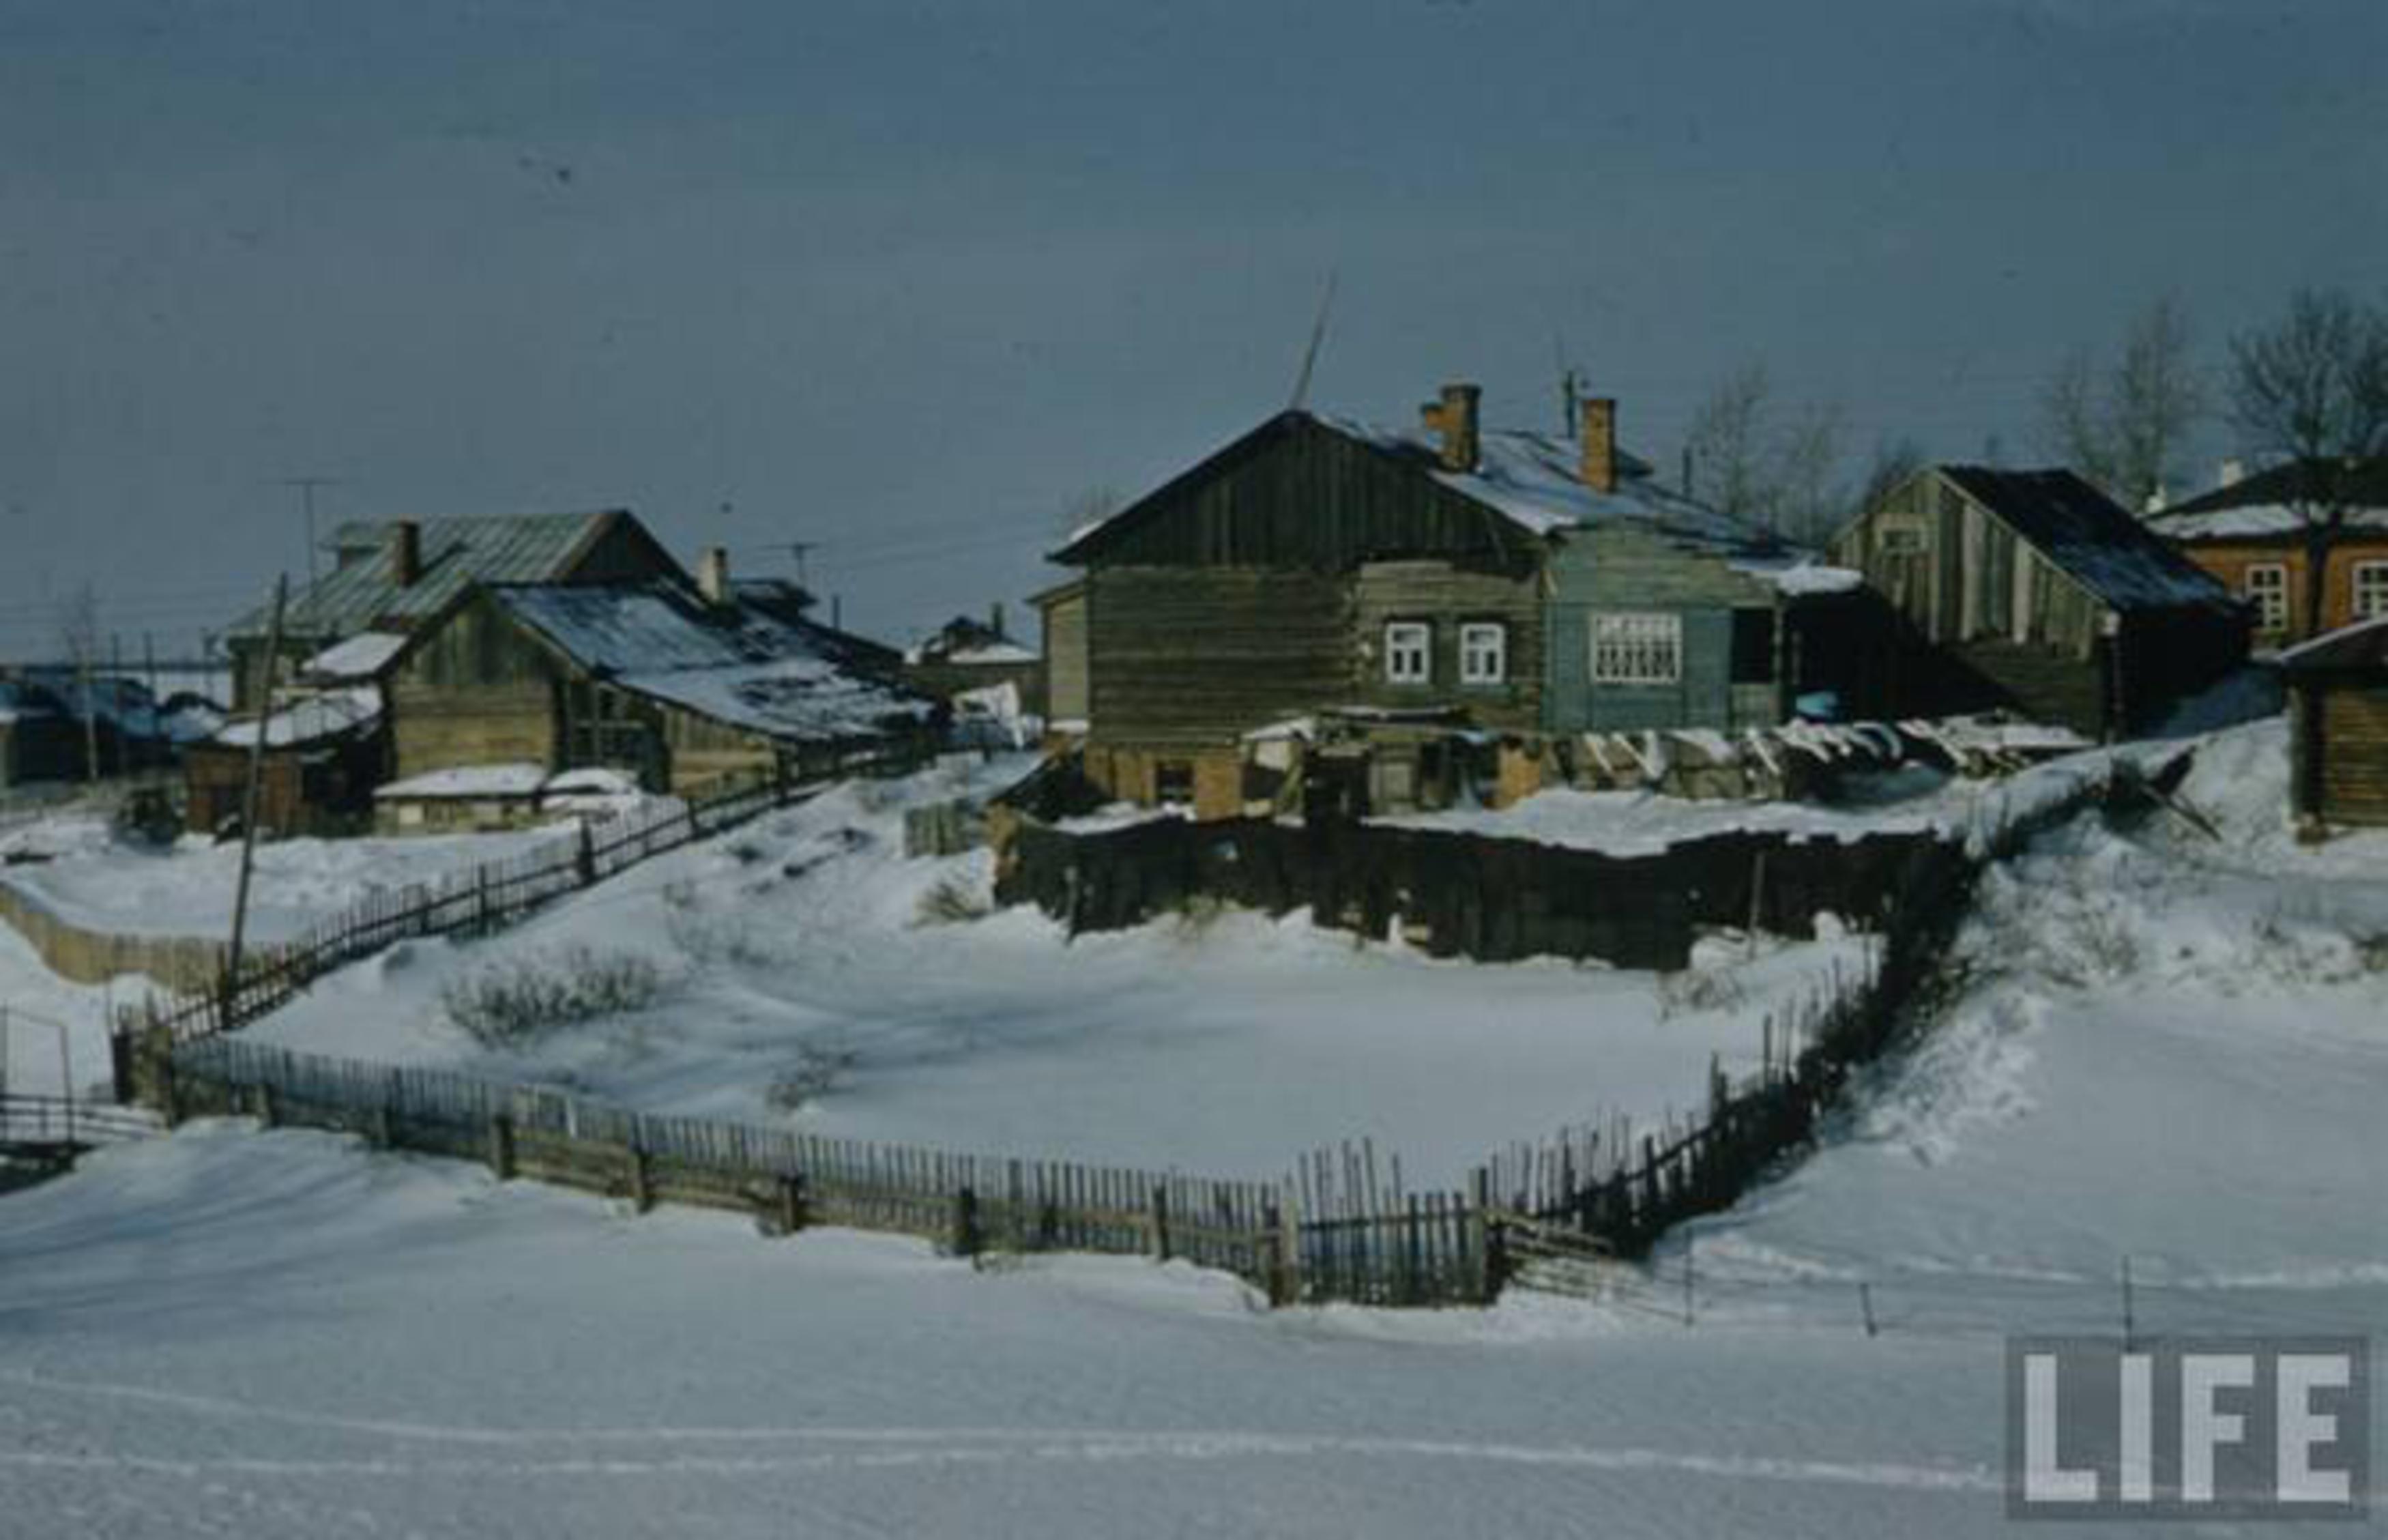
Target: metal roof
(362, 593)
(2088, 537)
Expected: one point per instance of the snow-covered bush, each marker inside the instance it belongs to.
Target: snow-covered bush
(952, 900)
(514, 1002)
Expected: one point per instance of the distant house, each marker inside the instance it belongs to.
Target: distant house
(322, 755)
(1447, 577)
(392, 577)
(994, 685)
(53, 720)
(2338, 726)
(39, 739)
(2045, 596)
(2251, 534)
(682, 686)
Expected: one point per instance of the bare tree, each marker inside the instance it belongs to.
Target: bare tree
(2312, 389)
(2123, 423)
(1754, 461)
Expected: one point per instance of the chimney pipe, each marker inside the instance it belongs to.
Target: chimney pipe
(405, 553)
(713, 574)
(1600, 443)
(1455, 417)
(994, 620)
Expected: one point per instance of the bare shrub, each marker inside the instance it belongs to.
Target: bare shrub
(952, 900)
(817, 1070)
(1692, 989)
(521, 1000)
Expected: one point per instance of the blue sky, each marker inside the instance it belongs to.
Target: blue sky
(906, 280)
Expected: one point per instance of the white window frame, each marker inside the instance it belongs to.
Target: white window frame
(2372, 577)
(1637, 647)
(1409, 652)
(2270, 595)
(1483, 653)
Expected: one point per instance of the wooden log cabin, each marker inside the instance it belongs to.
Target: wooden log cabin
(398, 576)
(2040, 594)
(2338, 727)
(685, 686)
(1460, 579)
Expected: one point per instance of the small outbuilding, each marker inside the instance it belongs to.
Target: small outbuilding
(2338, 727)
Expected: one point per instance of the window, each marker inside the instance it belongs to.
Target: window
(1172, 781)
(1409, 653)
(1901, 540)
(1483, 653)
(2268, 590)
(2370, 590)
(1637, 649)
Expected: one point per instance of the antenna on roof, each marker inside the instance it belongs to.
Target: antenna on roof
(307, 485)
(1570, 389)
(797, 550)
(1310, 354)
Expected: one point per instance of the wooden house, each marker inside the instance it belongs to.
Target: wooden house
(2338, 726)
(40, 739)
(2252, 533)
(322, 755)
(2039, 594)
(966, 657)
(685, 687)
(394, 577)
(1449, 577)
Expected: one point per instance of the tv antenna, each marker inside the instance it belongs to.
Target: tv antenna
(307, 485)
(1317, 339)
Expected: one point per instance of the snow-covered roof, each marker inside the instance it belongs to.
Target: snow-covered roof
(1532, 479)
(1802, 579)
(737, 664)
(469, 781)
(2362, 646)
(1535, 480)
(327, 715)
(361, 656)
(2088, 537)
(363, 592)
(2255, 521)
(2267, 506)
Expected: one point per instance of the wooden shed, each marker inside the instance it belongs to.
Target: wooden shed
(2338, 727)
(2039, 593)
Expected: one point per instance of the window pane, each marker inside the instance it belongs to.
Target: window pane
(1483, 653)
(1637, 649)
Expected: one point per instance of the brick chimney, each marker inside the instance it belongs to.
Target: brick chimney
(1599, 438)
(405, 553)
(1454, 418)
(713, 574)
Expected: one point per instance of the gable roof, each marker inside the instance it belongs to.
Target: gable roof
(741, 663)
(2267, 504)
(2086, 535)
(362, 593)
(1530, 479)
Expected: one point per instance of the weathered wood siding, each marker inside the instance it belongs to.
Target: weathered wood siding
(1065, 657)
(1632, 570)
(474, 692)
(1447, 597)
(1960, 575)
(2350, 741)
(1295, 494)
(1200, 655)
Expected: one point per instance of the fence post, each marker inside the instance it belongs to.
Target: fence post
(585, 859)
(965, 1236)
(1161, 1224)
(790, 1196)
(643, 1180)
(260, 1102)
(502, 1147)
(1288, 1247)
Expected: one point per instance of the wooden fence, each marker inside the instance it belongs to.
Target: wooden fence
(482, 898)
(1338, 1228)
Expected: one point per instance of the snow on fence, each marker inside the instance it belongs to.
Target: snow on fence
(482, 898)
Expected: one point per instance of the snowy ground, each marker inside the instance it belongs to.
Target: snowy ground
(2173, 1050)
(1227, 1044)
(186, 888)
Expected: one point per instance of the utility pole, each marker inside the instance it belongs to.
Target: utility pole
(797, 549)
(248, 800)
(307, 485)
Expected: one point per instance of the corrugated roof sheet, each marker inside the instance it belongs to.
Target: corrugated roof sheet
(741, 663)
(2088, 537)
(364, 594)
